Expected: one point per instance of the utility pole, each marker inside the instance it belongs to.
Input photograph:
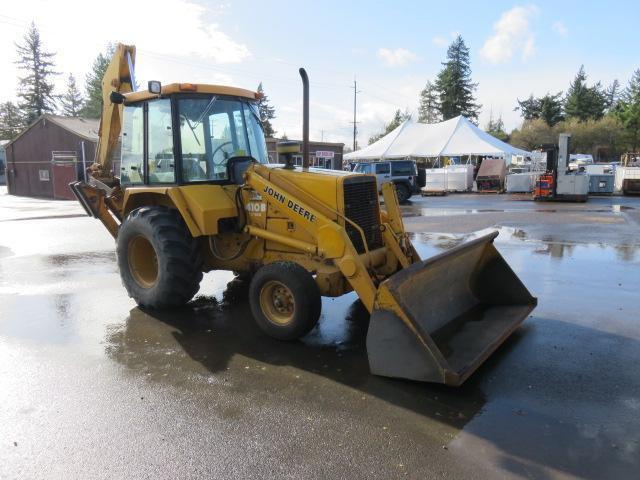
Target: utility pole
(355, 123)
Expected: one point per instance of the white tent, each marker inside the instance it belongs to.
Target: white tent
(452, 138)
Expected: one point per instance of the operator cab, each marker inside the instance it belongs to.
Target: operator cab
(187, 133)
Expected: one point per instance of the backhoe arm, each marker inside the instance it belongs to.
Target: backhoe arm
(118, 78)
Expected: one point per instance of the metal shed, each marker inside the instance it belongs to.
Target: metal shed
(52, 152)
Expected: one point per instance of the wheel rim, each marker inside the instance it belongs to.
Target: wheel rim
(143, 261)
(277, 303)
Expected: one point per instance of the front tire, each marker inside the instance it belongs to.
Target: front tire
(159, 260)
(403, 192)
(285, 300)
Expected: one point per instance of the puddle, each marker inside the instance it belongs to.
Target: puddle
(569, 208)
(429, 244)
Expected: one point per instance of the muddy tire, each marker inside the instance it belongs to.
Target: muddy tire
(285, 300)
(159, 260)
(403, 192)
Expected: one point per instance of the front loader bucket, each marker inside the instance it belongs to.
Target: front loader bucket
(440, 319)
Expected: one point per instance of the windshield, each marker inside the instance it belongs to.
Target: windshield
(213, 130)
(363, 168)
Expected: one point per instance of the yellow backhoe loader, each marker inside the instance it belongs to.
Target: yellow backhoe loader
(192, 191)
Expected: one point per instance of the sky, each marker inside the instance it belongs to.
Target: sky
(390, 48)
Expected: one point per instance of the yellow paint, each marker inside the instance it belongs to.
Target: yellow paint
(172, 88)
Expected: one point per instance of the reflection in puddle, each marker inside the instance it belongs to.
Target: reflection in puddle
(429, 244)
(343, 323)
(568, 209)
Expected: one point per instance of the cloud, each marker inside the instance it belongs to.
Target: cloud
(172, 41)
(560, 28)
(397, 57)
(440, 41)
(512, 34)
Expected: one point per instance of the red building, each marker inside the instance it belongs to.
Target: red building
(52, 152)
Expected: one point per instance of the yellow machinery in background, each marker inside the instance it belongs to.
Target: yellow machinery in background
(194, 192)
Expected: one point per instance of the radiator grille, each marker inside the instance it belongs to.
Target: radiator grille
(362, 208)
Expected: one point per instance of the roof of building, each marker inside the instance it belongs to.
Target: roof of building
(86, 128)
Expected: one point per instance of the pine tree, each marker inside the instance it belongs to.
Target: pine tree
(266, 112)
(584, 102)
(36, 88)
(11, 121)
(455, 86)
(529, 108)
(429, 108)
(551, 108)
(612, 96)
(92, 107)
(72, 100)
(398, 117)
(632, 92)
(548, 108)
(628, 111)
(576, 100)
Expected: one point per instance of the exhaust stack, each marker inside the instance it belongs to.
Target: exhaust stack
(305, 118)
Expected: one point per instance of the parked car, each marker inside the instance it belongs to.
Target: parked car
(403, 173)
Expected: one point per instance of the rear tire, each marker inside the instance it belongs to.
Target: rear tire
(285, 300)
(159, 260)
(403, 192)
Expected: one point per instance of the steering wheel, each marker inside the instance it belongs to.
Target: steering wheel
(213, 155)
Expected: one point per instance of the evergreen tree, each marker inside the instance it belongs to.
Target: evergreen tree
(632, 92)
(429, 108)
(266, 112)
(612, 96)
(628, 111)
(551, 108)
(11, 121)
(584, 102)
(92, 107)
(454, 84)
(395, 122)
(548, 108)
(529, 108)
(36, 88)
(72, 100)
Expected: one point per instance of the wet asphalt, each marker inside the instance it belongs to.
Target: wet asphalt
(93, 387)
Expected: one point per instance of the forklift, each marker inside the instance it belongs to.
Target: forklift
(558, 183)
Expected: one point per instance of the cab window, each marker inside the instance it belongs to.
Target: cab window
(213, 130)
(160, 160)
(132, 160)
